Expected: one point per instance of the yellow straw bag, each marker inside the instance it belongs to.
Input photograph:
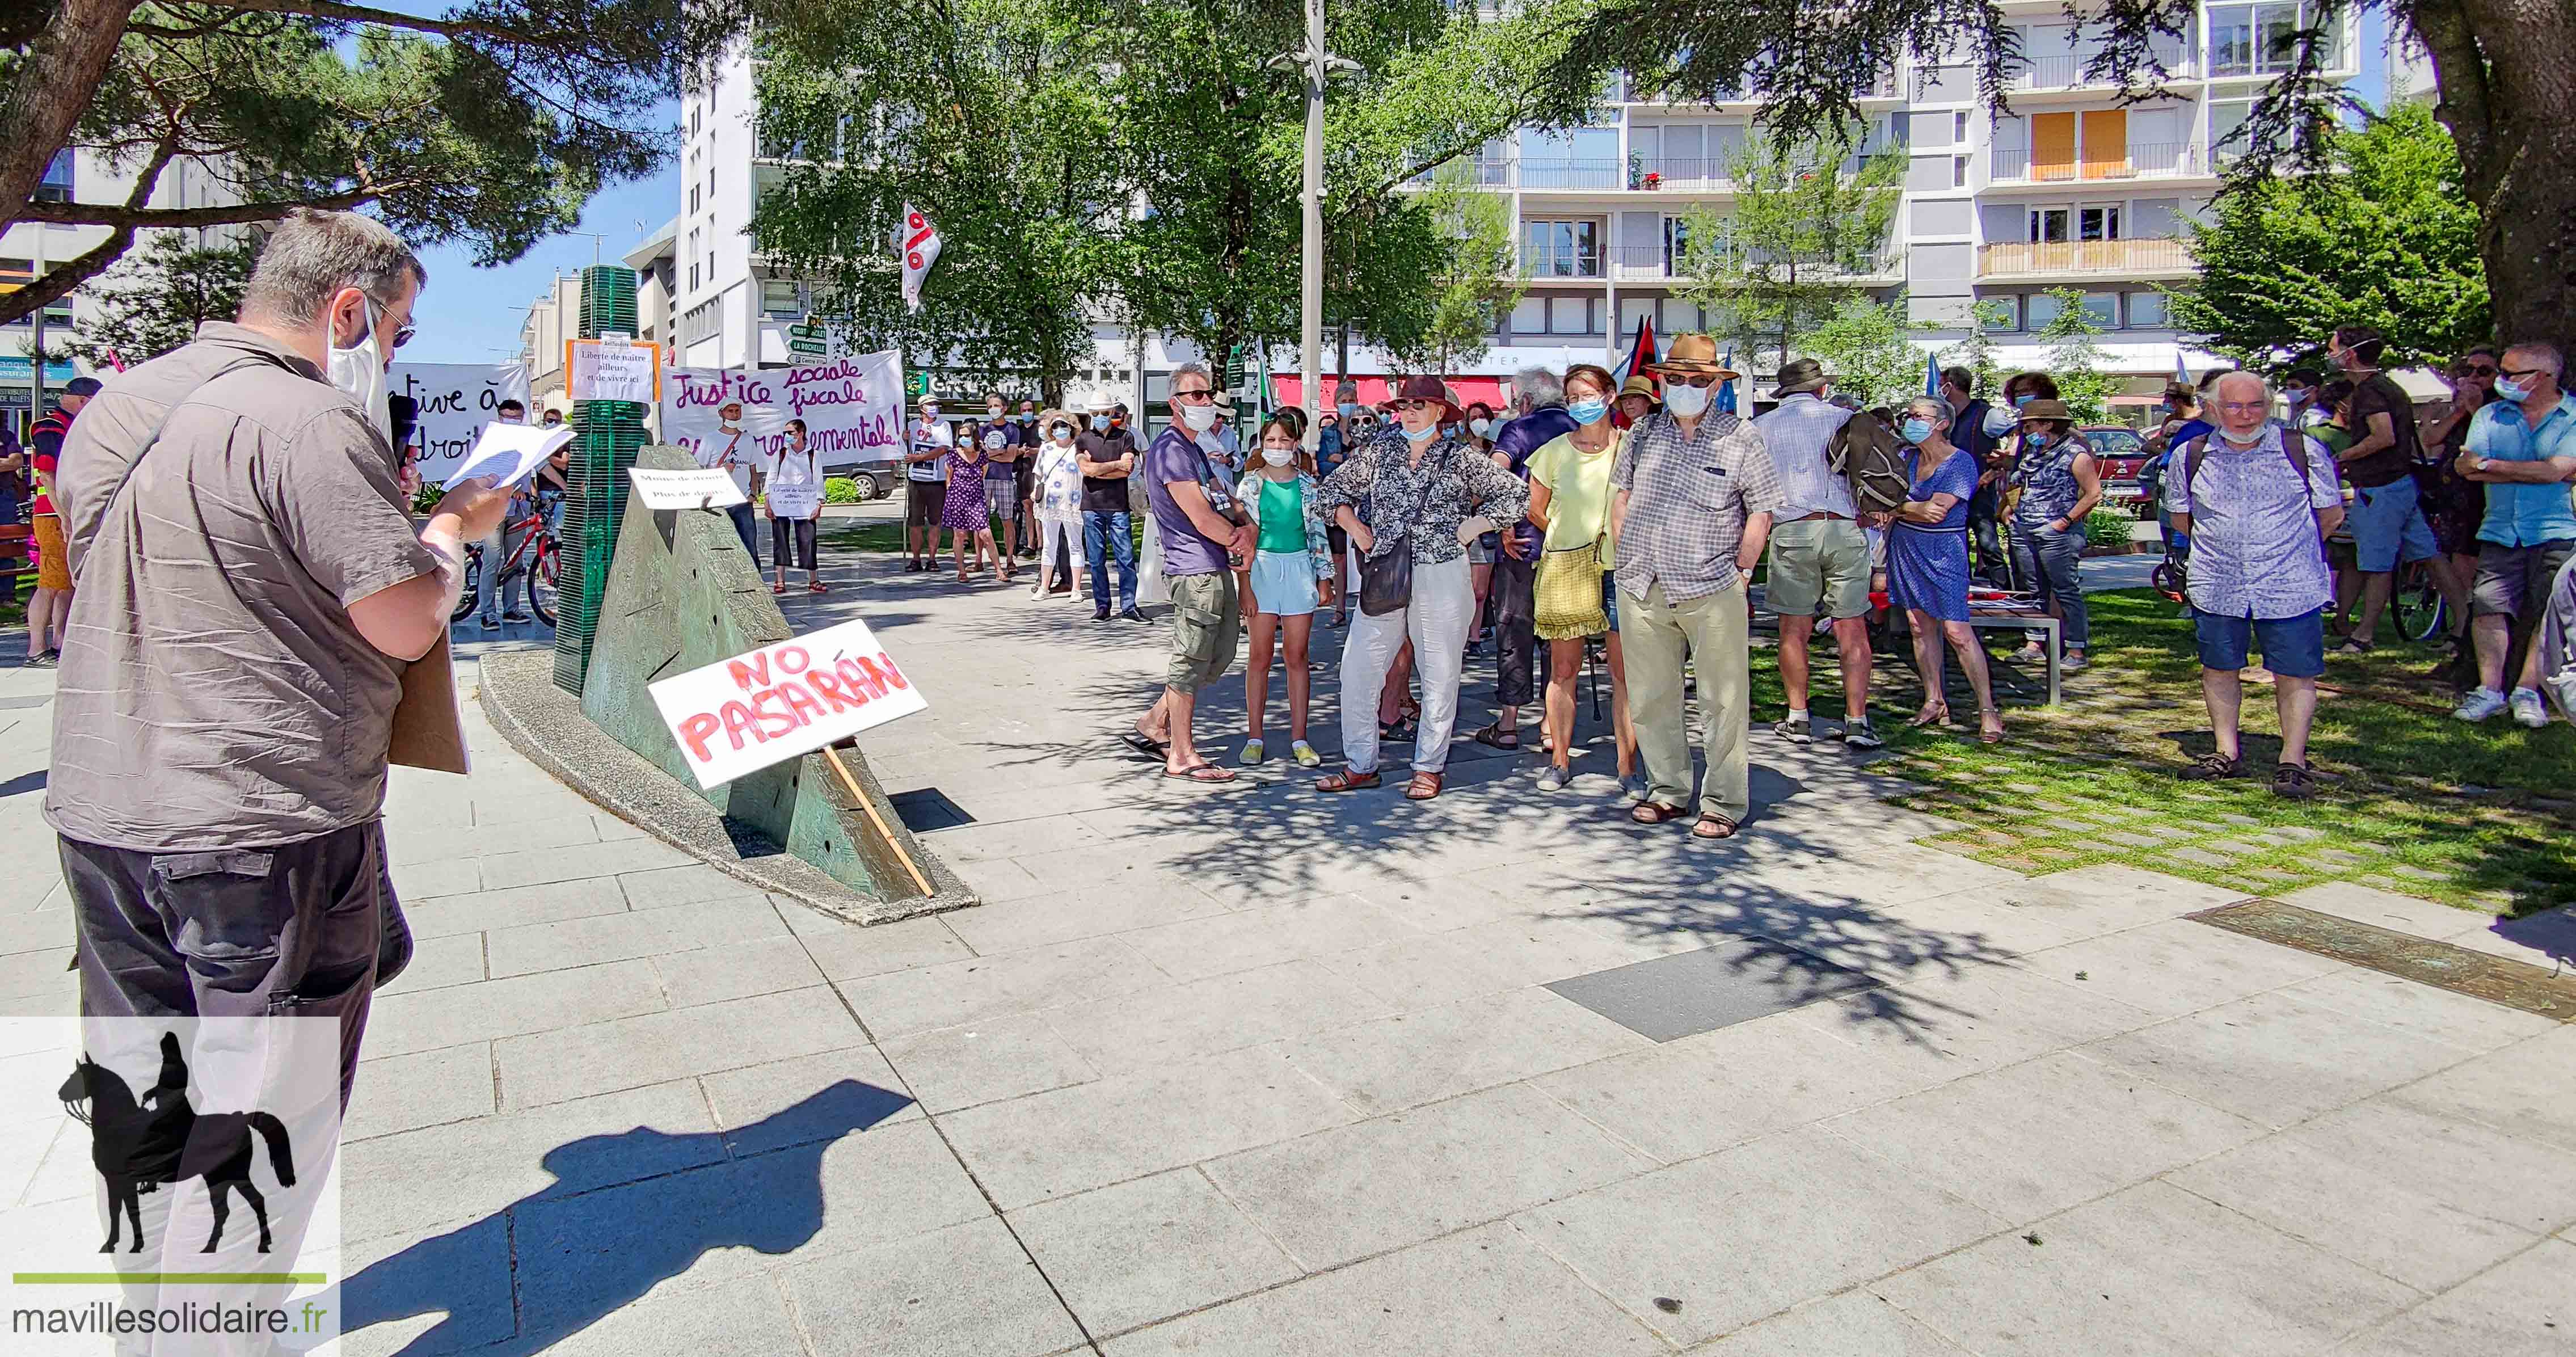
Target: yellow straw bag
(1566, 599)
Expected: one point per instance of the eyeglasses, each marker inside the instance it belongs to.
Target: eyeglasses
(2477, 369)
(2245, 407)
(1201, 396)
(2519, 373)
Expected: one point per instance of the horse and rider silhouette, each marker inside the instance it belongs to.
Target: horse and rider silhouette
(139, 1144)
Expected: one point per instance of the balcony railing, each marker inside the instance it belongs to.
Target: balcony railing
(1546, 262)
(1655, 263)
(1604, 174)
(2148, 161)
(1689, 174)
(2065, 70)
(1644, 263)
(2012, 258)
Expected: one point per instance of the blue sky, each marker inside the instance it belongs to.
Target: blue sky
(472, 315)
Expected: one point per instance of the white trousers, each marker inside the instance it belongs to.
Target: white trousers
(1058, 542)
(1443, 606)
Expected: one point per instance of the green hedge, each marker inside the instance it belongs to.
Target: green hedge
(840, 490)
(2108, 527)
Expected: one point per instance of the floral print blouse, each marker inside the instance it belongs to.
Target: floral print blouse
(1319, 545)
(1422, 504)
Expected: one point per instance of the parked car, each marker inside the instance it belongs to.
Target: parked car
(2121, 451)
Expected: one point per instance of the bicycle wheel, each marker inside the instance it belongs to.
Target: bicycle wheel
(542, 580)
(2419, 605)
(473, 571)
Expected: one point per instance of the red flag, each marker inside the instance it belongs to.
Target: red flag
(1641, 353)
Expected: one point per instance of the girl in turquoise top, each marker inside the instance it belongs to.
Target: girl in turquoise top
(1292, 573)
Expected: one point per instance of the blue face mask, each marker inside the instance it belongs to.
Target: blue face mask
(1347, 409)
(2512, 390)
(2039, 440)
(1916, 430)
(1589, 410)
(2023, 399)
(1421, 435)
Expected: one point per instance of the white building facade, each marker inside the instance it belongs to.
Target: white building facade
(2068, 188)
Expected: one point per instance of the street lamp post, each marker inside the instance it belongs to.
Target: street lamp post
(1314, 64)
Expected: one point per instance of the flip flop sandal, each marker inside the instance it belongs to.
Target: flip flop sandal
(1654, 812)
(1205, 772)
(1348, 781)
(816, 587)
(1723, 828)
(1142, 743)
(1423, 787)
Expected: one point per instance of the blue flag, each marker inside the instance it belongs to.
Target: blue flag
(1726, 389)
(1932, 376)
(2182, 375)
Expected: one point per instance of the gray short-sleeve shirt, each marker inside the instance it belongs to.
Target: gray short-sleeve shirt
(214, 692)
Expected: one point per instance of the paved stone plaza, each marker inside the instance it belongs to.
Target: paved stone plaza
(1248, 1070)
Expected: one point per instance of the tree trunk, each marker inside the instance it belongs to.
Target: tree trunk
(2508, 95)
(50, 90)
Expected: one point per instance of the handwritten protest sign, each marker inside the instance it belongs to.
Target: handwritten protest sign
(852, 407)
(793, 697)
(701, 488)
(612, 370)
(456, 401)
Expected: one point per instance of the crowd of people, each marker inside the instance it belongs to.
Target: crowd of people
(1631, 516)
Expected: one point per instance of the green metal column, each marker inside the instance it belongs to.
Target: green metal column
(608, 434)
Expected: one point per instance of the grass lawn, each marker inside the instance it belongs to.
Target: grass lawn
(2410, 800)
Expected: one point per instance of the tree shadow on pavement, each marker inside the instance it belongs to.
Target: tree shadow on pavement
(578, 1251)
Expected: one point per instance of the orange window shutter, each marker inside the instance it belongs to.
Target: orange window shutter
(2052, 146)
(2106, 144)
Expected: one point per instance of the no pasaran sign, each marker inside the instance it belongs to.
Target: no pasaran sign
(769, 705)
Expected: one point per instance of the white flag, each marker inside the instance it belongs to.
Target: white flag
(918, 245)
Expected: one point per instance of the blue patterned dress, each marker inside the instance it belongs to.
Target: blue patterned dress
(1927, 564)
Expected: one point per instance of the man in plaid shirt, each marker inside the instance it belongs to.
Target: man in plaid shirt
(1693, 497)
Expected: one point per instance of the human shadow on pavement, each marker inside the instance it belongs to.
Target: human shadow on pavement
(616, 1224)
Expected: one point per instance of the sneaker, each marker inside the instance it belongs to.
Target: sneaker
(2074, 660)
(488, 622)
(514, 615)
(1632, 788)
(1305, 754)
(910, 567)
(1795, 729)
(1553, 778)
(1129, 614)
(2480, 704)
(2212, 767)
(2562, 690)
(1858, 735)
(1253, 753)
(2294, 781)
(2527, 710)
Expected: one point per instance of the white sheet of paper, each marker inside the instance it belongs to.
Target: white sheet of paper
(697, 488)
(510, 453)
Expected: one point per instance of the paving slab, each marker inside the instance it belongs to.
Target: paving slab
(1420, 1057)
(652, 1048)
(903, 1297)
(2276, 1058)
(1151, 1027)
(2519, 1309)
(987, 1061)
(492, 1009)
(2178, 966)
(2150, 1272)
(1355, 1190)
(1752, 1231)
(1475, 1294)
(1848, 1325)
(1127, 1255)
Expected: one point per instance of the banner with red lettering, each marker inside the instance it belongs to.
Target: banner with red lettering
(769, 705)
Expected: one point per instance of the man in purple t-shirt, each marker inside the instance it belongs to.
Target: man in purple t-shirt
(1203, 534)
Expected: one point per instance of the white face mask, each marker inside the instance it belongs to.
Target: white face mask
(1200, 418)
(360, 371)
(1479, 427)
(1685, 402)
(1276, 456)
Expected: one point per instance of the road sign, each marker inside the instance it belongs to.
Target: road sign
(808, 348)
(806, 330)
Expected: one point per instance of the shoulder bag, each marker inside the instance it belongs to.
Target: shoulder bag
(1386, 580)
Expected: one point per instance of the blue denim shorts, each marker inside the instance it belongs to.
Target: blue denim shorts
(2387, 525)
(2293, 647)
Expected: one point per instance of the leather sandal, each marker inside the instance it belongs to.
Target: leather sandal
(1347, 781)
(1423, 787)
(1496, 737)
(1713, 827)
(1654, 812)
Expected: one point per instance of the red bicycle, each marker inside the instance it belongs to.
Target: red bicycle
(536, 554)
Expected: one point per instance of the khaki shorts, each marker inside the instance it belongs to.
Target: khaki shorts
(54, 564)
(1819, 566)
(1207, 621)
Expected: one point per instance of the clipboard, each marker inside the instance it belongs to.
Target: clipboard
(427, 732)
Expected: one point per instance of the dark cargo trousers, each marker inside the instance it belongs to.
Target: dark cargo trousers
(308, 929)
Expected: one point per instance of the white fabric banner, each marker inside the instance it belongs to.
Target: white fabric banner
(456, 401)
(852, 407)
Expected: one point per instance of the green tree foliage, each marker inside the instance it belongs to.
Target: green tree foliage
(1976, 353)
(2388, 240)
(1143, 159)
(154, 300)
(1865, 347)
(2074, 340)
(489, 126)
(1809, 228)
(1475, 283)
